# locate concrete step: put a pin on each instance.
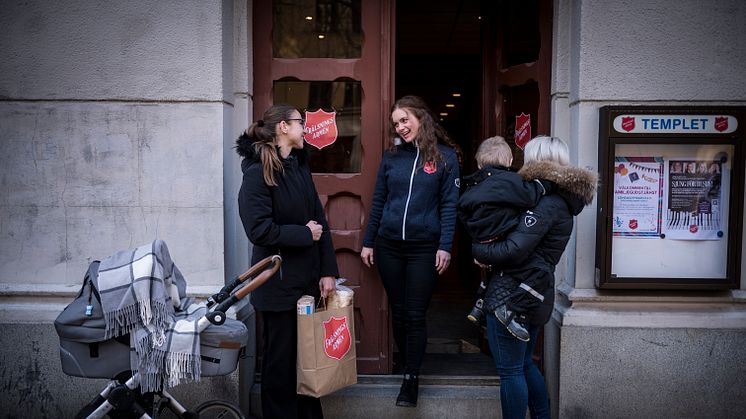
(440, 397)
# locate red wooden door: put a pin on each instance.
(335, 56)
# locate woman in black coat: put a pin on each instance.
(282, 214)
(533, 248)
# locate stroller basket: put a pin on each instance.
(85, 352)
(220, 349)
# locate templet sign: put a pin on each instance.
(675, 124)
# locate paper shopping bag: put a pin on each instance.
(326, 359)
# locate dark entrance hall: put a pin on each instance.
(477, 64)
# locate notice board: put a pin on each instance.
(670, 206)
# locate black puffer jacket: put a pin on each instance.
(542, 234)
(274, 218)
(493, 199)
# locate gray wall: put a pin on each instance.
(114, 120)
(642, 354)
(116, 128)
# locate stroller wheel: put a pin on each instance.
(218, 409)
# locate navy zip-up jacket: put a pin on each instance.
(412, 201)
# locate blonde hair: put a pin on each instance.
(543, 148)
(494, 151)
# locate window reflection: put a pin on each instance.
(317, 29)
(342, 97)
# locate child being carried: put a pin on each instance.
(491, 206)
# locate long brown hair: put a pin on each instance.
(430, 132)
(263, 135)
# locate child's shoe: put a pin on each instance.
(507, 318)
(476, 314)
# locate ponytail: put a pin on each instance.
(261, 136)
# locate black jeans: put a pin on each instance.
(279, 399)
(408, 273)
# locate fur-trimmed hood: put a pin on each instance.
(245, 148)
(577, 186)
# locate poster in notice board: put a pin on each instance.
(694, 192)
(638, 196)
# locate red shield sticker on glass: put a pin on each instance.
(522, 130)
(321, 128)
(721, 123)
(337, 340)
(628, 123)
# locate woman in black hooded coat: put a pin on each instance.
(533, 248)
(282, 214)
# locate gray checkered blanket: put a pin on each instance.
(143, 293)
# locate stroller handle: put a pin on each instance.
(217, 315)
(262, 265)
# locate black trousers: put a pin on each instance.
(279, 399)
(408, 273)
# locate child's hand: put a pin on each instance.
(481, 265)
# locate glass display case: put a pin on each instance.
(670, 202)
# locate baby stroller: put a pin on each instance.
(85, 353)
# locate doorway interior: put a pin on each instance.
(439, 58)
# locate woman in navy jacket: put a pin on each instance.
(282, 214)
(410, 227)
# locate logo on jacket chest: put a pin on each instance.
(529, 220)
(430, 168)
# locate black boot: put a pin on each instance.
(408, 393)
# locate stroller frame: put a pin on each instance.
(122, 396)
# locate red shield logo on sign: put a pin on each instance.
(633, 224)
(721, 123)
(522, 130)
(321, 128)
(337, 340)
(693, 228)
(628, 123)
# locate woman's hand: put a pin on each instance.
(367, 256)
(327, 284)
(442, 260)
(316, 229)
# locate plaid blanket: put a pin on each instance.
(143, 293)
(172, 358)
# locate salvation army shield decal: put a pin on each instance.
(628, 123)
(337, 340)
(321, 128)
(721, 123)
(522, 129)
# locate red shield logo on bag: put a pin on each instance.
(321, 128)
(628, 123)
(522, 130)
(337, 340)
(721, 123)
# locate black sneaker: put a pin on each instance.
(507, 318)
(408, 392)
